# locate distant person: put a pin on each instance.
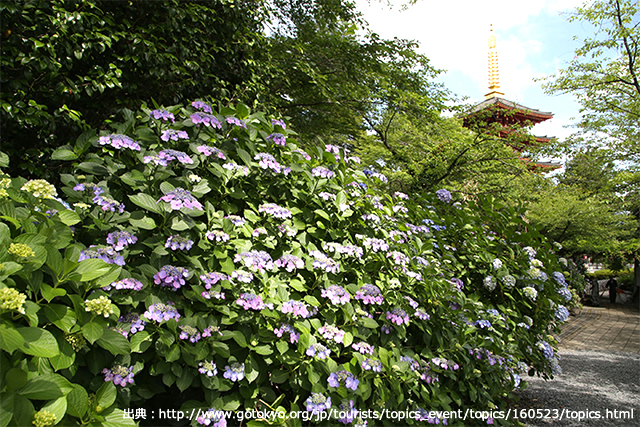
(595, 293)
(613, 289)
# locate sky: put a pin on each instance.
(534, 40)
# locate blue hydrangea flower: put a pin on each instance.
(200, 105)
(369, 294)
(209, 151)
(236, 220)
(363, 347)
(212, 418)
(162, 312)
(279, 122)
(171, 277)
(236, 122)
(255, 260)
(336, 294)
(444, 195)
(190, 333)
(174, 135)
(181, 198)
(398, 316)
(325, 263)
(108, 255)
(322, 172)
(318, 350)
(285, 328)
(208, 120)
(267, 161)
(217, 235)
(289, 262)
(234, 372)
(545, 348)
(350, 381)
(212, 278)
(275, 210)
(250, 301)
(561, 313)
(242, 276)
(297, 308)
(208, 368)
(126, 283)
(134, 323)
(376, 245)
(162, 114)
(317, 403)
(121, 239)
(119, 141)
(119, 375)
(277, 139)
(372, 365)
(330, 332)
(178, 243)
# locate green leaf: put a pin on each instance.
(221, 348)
(15, 378)
(93, 168)
(369, 323)
(6, 408)
(23, 410)
(63, 154)
(4, 160)
(50, 293)
(264, 350)
(145, 223)
(68, 217)
(117, 418)
(92, 331)
(10, 338)
(90, 269)
(77, 402)
(61, 316)
(246, 157)
(147, 202)
(38, 342)
(66, 357)
(114, 342)
(279, 376)
(54, 260)
(140, 341)
(105, 396)
(57, 407)
(184, 381)
(46, 387)
(282, 346)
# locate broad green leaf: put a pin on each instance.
(77, 402)
(92, 331)
(6, 408)
(90, 269)
(15, 378)
(117, 418)
(279, 376)
(93, 168)
(10, 338)
(140, 341)
(145, 223)
(46, 387)
(147, 202)
(54, 260)
(105, 396)
(23, 410)
(57, 407)
(66, 357)
(184, 381)
(68, 217)
(369, 323)
(38, 342)
(114, 342)
(221, 348)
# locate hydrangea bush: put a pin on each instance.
(200, 259)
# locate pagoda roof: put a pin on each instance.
(531, 114)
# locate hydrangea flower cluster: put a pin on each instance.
(490, 283)
(546, 349)
(325, 263)
(212, 278)
(369, 294)
(236, 122)
(234, 372)
(285, 328)
(162, 312)
(212, 418)
(376, 245)
(208, 368)
(444, 195)
(135, 322)
(236, 220)
(21, 250)
(267, 161)
(330, 332)
(421, 314)
(44, 418)
(497, 264)
(119, 375)
(297, 309)
(530, 293)
(348, 412)
(171, 277)
(108, 255)
(255, 260)
(209, 120)
(250, 301)
(372, 365)
(174, 135)
(399, 258)
(363, 348)
(398, 316)
(242, 276)
(327, 196)
(275, 210)
(165, 156)
(211, 329)
(208, 151)
(508, 281)
(350, 381)
(200, 105)
(11, 299)
(176, 243)
(232, 166)
(217, 235)
(121, 239)
(189, 333)
(561, 313)
(317, 403)
(318, 350)
(278, 139)
(126, 283)
(181, 198)
(289, 262)
(322, 172)
(120, 141)
(162, 114)
(349, 250)
(212, 294)
(336, 294)
(304, 154)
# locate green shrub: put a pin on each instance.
(218, 266)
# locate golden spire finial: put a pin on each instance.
(494, 75)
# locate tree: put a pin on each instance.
(605, 78)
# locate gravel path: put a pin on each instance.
(593, 381)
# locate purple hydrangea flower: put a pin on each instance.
(174, 135)
(212, 278)
(278, 139)
(211, 329)
(250, 301)
(189, 333)
(171, 277)
(119, 141)
(234, 166)
(413, 303)
(369, 294)
(121, 239)
(267, 161)
(399, 208)
(200, 105)
(208, 151)
(236, 220)
(547, 350)
(289, 262)
(317, 403)
(330, 332)
(325, 263)
(236, 122)
(134, 321)
(318, 350)
(386, 329)
(421, 314)
(327, 196)
(169, 155)
(208, 368)
(561, 313)
(212, 294)
(279, 122)
(217, 235)
(255, 260)
(322, 172)
(242, 276)
(348, 250)
(126, 283)
(483, 323)
(107, 204)
(234, 372)
(181, 198)
(346, 377)
(348, 413)
(398, 257)
(372, 365)
(208, 120)
(398, 316)
(302, 153)
(363, 347)
(294, 335)
(212, 418)
(376, 245)
(108, 255)
(297, 308)
(119, 375)
(400, 195)
(444, 195)
(275, 210)
(162, 312)
(459, 284)
(336, 294)
(178, 243)
(162, 114)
